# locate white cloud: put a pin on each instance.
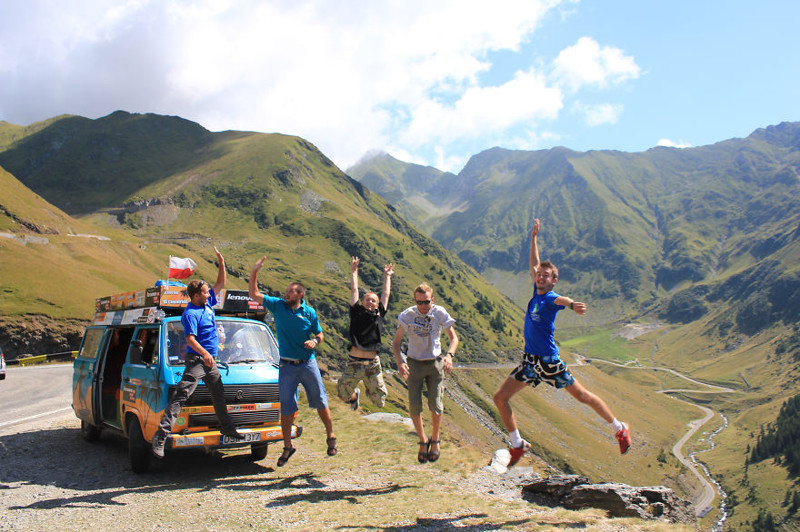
(485, 110)
(586, 63)
(672, 144)
(348, 75)
(596, 115)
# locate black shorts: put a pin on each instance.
(532, 370)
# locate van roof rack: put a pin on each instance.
(154, 303)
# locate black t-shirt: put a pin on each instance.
(366, 327)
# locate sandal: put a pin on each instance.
(331, 446)
(433, 455)
(423, 456)
(287, 453)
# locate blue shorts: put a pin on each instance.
(532, 370)
(290, 376)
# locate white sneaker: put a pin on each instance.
(158, 446)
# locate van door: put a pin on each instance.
(85, 374)
(141, 387)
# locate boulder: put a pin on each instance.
(620, 500)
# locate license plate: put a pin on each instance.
(248, 437)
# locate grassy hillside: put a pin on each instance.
(703, 240)
(251, 195)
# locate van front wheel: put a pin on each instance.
(258, 451)
(138, 449)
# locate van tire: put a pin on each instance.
(90, 432)
(258, 451)
(138, 449)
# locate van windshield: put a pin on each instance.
(240, 343)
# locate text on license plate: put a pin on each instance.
(248, 437)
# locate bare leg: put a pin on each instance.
(586, 397)
(286, 427)
(436, 424)
(501, 399)
(419, 427)
(325, 416)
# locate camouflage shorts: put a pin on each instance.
(368, 371)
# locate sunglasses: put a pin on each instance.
(423, 302)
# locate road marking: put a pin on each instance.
(14, 422)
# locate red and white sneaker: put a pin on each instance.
(624, 438)
(518, 452)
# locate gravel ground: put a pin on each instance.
(49, 476)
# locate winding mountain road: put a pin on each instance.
(707, 496)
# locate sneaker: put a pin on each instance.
(624, 438)
(518, 452)
(354, 403)
(158, 446)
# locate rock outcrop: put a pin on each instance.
(620, 500)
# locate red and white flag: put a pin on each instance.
(181, 268)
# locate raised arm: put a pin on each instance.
(388, 271)
(221, 275)
(534, 258)
(354, 281)
(255, 295)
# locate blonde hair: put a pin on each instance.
(423, 289)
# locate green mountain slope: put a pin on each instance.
(705, 241)
(421, 194)
(251, 195)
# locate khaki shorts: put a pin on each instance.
(430, 373)
(368, 371)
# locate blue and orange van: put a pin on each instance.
(133, 354)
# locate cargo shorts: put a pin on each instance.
(367, 370)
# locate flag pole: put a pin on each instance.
(168, 266)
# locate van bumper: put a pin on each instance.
(214, 438)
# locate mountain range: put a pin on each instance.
(163, 186)
(698, 245)
(669, 231)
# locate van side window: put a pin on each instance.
(144, 348)
(176, 344)
(91, 342)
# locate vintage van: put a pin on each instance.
(133, 355)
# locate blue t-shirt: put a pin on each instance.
(294, 327)
(540, 327)
(200, 322)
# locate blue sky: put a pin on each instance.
(431, 82)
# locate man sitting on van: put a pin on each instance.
(202, 341)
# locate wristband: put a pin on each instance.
(571, 305)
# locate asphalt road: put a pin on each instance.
(33, 392)
(708, 492)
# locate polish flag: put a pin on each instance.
(181, 268)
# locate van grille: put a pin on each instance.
(240, 419)
(237, 394)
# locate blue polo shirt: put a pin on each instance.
(200, 322)
(294, 327)
(540, 327)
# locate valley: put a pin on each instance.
(697, 247)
